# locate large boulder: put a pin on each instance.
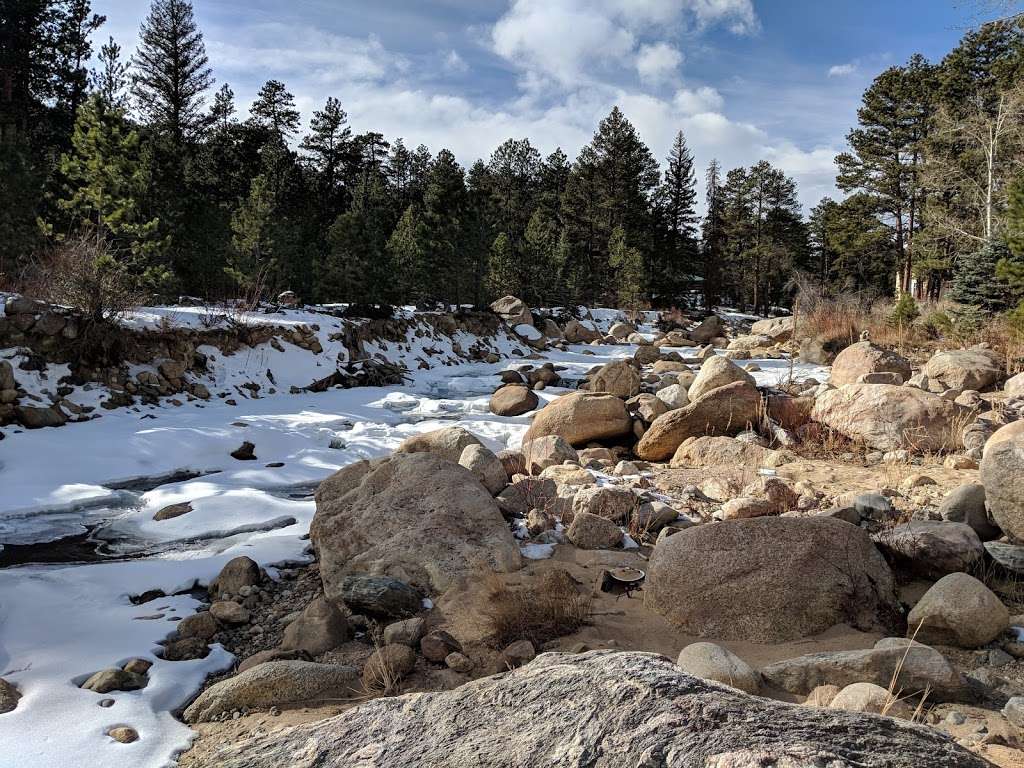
(713, 662)
(487, 467)
(864, 357)
(238, 572)
(919, 667)
(958, 610)
(416, 517)
(962, 369)
(619, 378)
(513, 311)
(1012, 431)
(548, 451)
(711, 327)
(447, 442)
(513, 400)
(932, 548)
(9, 696)
(275, 683)
(887, 417)
(716, 372)
(582, 417)
(1002, 475)
(589, 531)
(726, 410)
(599, 709)
(778, 329)
(771, 579)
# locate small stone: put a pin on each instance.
(106, 703)
(123, 734)
(244, 452)
(406, 632)
(459, 662)
(113, 679)
(518, 653)
(437, 645)
(138, 666)
(9, 696)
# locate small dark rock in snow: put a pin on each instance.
(245, 452)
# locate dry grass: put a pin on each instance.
(895, 695)
(550, 607)
(1007, 585)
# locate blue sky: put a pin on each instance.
(744, 79)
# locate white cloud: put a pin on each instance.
(843, 70)
(570, 41)
(703, 99)
(658, 62)
(455, 63)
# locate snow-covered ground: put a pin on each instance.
(59, 624)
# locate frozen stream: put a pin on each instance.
(106, 478)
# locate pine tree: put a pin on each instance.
(106, 181)
(712, 236)
(222, 111)
(628, 264)
(357, 267)
(672, 266)
(111, 80)
(976, 287)
(328, 145)
(405, 250)
(171, 71)
(444, 204)
(73, 23)
(503, 276)
(886, 157)
(274, 110)
(252, 258)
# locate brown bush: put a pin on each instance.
(551, 607)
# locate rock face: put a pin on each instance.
(1002, 475)
(513, 400)
(887, 418)
(919, 667)
(716, 372)
(275, 683)
(448, 443)
(415, 517)
(958, 610)
(713, 662)
(865, 358)
(581, 417)
(726, 410)
(932, 548)
(964, 369)
(770, 579)
(618, 378)
(596, 709)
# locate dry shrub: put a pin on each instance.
(82, 272)
(550, 607)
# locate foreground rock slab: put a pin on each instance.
(601, 710)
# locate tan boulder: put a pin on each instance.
(865, 357)
(448, 443)
(548, 451)
(582, 417)
(958, 610)
(415, 517)
(713, 662)
(589, 531)
(513, 400)
(726, 451)
(887, 417)
(619, 378)
(962, 369)
(771, 579)
(1002, 475)
(1012, 431)
(726, 410)
(716, 372)
(778, 329)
